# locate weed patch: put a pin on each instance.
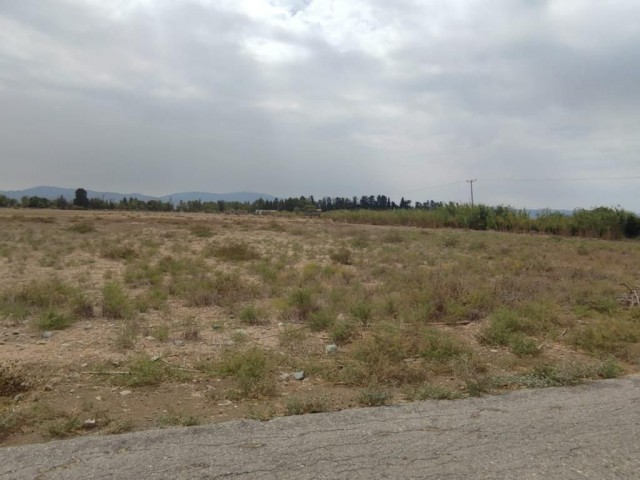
(371, 397)
(253, 369)
(115, 301)
(11, 382)
(234, 252)
(434, 392)
(82, 227)
(302, 406)
(54, 320)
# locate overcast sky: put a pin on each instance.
(537, 100)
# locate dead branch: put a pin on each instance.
(632, 297)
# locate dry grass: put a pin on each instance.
(152, 303)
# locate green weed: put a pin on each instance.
(252, 369)
(371, 397)
(302, 406)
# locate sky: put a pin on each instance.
(537, 100)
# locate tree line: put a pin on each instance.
(291, 204)
(600, 222)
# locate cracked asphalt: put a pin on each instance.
(586, 432)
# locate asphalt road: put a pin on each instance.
(586, 432)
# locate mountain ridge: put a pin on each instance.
(52, 193)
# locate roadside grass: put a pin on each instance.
(176, 419)
(304, 405)
(252, 369)
(563, 374)
(433, 392)
(142, 370)
(373, 397)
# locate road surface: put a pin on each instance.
(586, 432)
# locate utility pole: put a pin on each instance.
(470, 182)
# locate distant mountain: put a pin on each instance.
(214, 197)
(69, 193)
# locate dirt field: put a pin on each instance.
(114, 321)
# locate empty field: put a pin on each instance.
(115, 321)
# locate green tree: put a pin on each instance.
(81, 199)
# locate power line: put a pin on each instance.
(559, 179)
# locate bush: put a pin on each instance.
(54, 320)
(11, 382)
(252, 369)
(303, 303)
(144, 371)
(342, 256)
(435, 392)
(251, 315)
(321, 320)
(82, 227)
(342, 332)
(301, 406)
(374, 398)
(200, 230)
(363, 312)
(235, 252)
(115, 301)
(522, 345)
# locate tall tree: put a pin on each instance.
(81, 199)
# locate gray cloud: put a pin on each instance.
(297, 96)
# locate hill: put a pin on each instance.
(69, 193)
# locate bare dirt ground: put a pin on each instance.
(165, 313)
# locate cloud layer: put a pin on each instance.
(294, 97)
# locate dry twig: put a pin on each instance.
(632, 297)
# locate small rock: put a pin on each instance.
(99, 398)
(124, 393)
(89, 423)
(298, 375)
(179, 343)
(84, 365)
(19, 397)
(47, 334)
(331, 349)
(493, 350)
(47, 388)
(41, 342)
(88, 326)
(155, 358)
(150, 337)
(283, 377)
